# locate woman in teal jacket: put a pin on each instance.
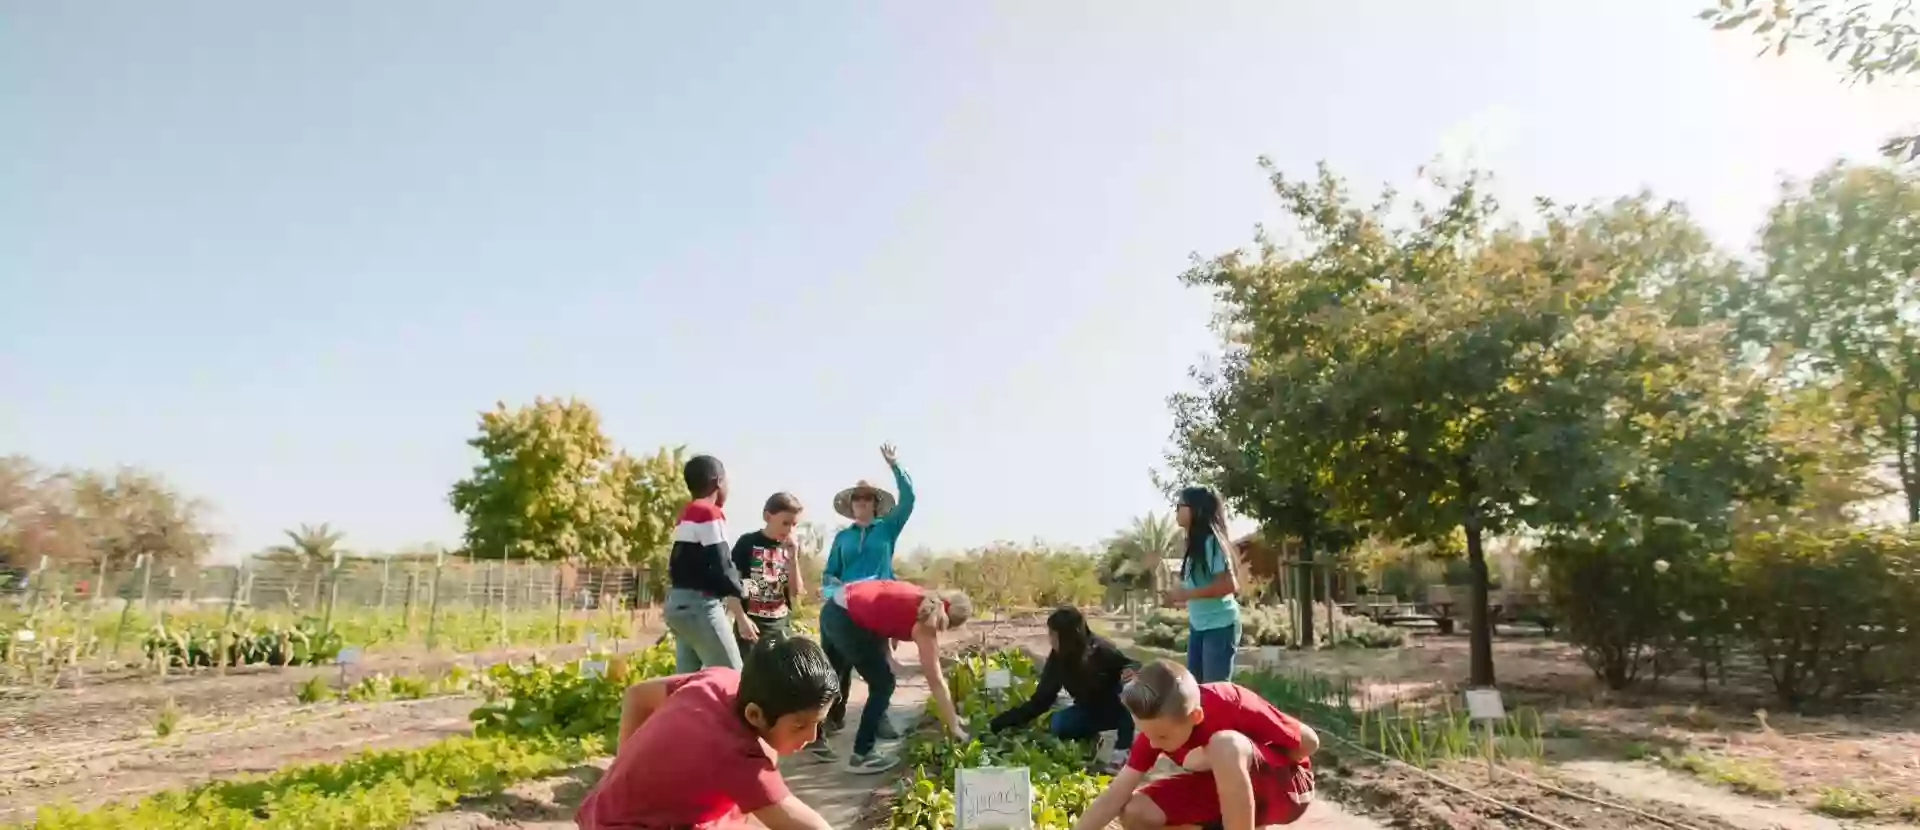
(862, 551)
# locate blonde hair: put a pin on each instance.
(1161, 689)
(945, 609)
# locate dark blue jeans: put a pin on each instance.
(1210, 653)
(866, 652)
(1078, 722)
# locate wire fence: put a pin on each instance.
(304, 586)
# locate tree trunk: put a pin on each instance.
(1909, 480)
(1304, 574)
(1480, 673)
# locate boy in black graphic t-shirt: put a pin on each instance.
(769, 567)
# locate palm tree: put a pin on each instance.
(314, 544)
(1134, 555)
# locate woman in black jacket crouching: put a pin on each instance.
(1092, 670)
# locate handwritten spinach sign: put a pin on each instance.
(993, 798)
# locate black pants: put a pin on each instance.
(843, 668)
(865, 652)
(771, 629)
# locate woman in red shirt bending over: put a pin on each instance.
(859, 623)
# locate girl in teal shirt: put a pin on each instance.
(1207, 585)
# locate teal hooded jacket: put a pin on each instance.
(860, 553)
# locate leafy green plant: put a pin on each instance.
(373, 687)
(540, 698)
(1062, 782)
(1847, 802)
(314, 690)
(1750, 777)
(238, 643)
(167, 719)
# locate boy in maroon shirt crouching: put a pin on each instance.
(701, 750)
(1247, 762)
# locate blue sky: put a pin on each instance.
(284, 253)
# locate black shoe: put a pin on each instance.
(887, 732)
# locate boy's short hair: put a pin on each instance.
(1161, 689)
(787, 675)
(783, 503)
(703, 474)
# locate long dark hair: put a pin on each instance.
(1076, 639)
(1207, 519)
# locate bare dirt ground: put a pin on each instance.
(97, 743)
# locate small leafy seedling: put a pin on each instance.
(167, 719)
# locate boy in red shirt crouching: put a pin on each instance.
(1247, 761)
(701, 750)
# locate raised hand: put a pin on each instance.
(888, 452)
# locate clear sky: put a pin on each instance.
(283, 253)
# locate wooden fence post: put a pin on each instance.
(559, 605)
(433, 601)
(413, 583)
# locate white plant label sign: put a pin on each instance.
(1270, 655)
(1485, 704)
(999, 678)
(1109, 740)
(593, 668)
(993, 798)
(347, 656)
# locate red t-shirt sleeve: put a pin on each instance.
(675, 681)
(1142, 755)
(755, 784)
(1257, 719)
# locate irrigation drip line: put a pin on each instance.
(1601, 802)
(1460, 788)
(1598, 802)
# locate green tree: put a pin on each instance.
(132, 512)
(76, 517)
(1134, 555)
(1446, 373)
(311, 545)
(1843, 279)
(652, 491)
(544, 488)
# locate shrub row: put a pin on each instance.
(1271, 625)
(1828, 613)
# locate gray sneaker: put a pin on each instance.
(872, 763)
(822, 751)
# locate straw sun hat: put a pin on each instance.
(882, 500)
